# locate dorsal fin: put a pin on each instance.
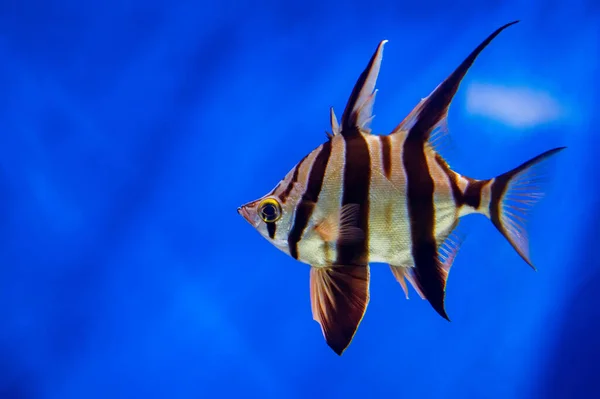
(335, 127)
(431, 112)
(358, 111)
(367, 109)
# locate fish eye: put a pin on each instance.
(269, 210)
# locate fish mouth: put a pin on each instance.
(242, 210)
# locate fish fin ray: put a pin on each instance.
(439, 139)
(328, 229)
(404, 274)
(358, 111)
(343, 227)
(339, 298)
(335, 127)
(432, 264)
(449, 247)
(366, 113)
(431, 112)
(514, 194)
(409, 120)
(349, 230)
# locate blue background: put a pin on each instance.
(130, 131)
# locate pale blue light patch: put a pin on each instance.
(518, 107)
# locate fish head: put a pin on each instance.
(272, 215)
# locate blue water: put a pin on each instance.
(130, 131)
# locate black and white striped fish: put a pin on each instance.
(360, 198)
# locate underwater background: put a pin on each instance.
(130, 131)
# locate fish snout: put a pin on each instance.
(242, 210)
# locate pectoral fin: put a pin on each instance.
(339, 296)
(342, 226)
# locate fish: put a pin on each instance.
(362, 198)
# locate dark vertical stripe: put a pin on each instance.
(271, 228)
(292, 182)
(421, 211)
(498, 189)
(355, 189)
(386, 150)
(305, 207)
(472, 195)
(456, 193)
(473, 191)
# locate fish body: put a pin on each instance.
(362, 198)
(385, 192)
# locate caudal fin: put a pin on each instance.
(512, 196)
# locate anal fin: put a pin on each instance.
(449, 247)
(404, 274)
(430, 274)
(339, 297)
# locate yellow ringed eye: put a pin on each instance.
(269, 210)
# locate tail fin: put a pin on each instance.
(512, 196)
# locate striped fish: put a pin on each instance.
(360, 198)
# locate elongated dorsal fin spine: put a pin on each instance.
(432, 110)
(355, 114)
